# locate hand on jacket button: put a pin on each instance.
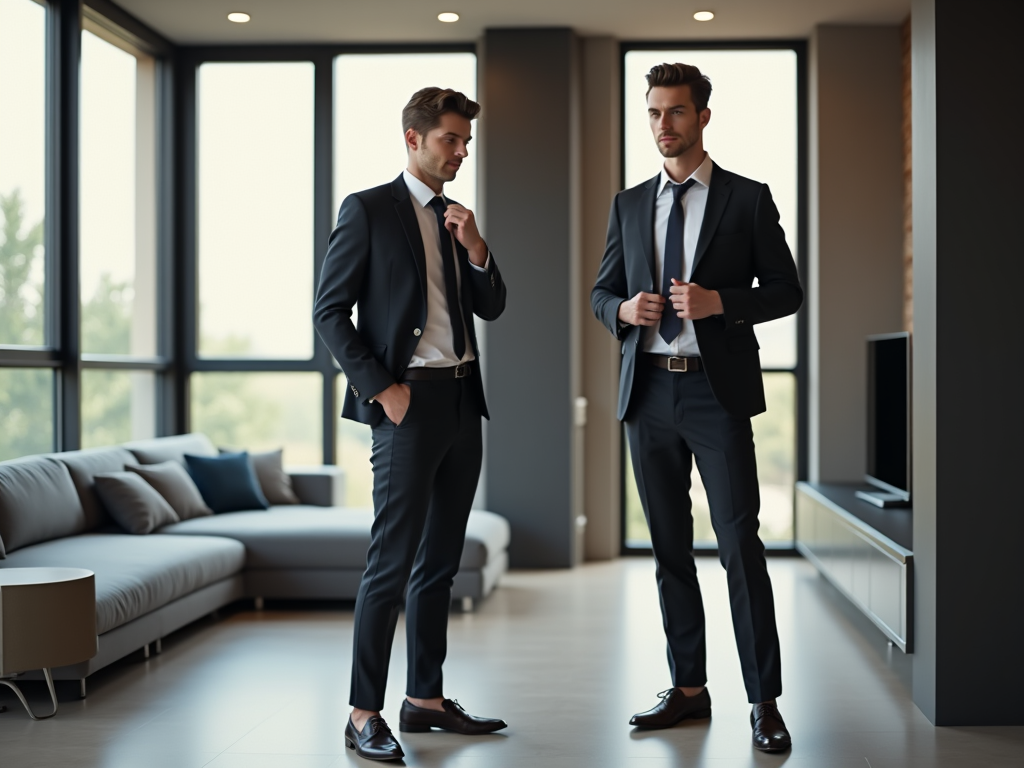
(691, 302)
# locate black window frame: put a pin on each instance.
(800, 371)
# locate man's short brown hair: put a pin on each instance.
(425, 108)
(670, 75)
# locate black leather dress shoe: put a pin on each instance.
(770, 734)
(675, 706)
(374, 742)
(413, 719)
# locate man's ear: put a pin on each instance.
(412, 139)
(705, 118)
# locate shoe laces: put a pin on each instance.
(766, 709)
(455, 703)
(377, 725)
(665, 694)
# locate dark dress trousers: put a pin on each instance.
(672, 418)
(426, 469)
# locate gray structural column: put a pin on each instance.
(602, 172)
(855, 285)
(530, 96)
(968, 362)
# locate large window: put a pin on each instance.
(255, 209)
(753, 132)
(80, 337)
(117, 238)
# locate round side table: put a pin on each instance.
(47, 619)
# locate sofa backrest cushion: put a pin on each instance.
(173, 482)
(135, 504)
(174, 448)
(84, 466)
(38, 502)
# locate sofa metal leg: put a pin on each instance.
(24, 702)
(467, 605)
(159, 645)
(145, 651)
(258, 603)
(81, 688)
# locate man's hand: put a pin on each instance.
(691, 302)
(461, 221)
(395, 401)
(642, 309)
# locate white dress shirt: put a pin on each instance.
(435, 349)
(694, 202)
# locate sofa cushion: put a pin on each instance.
(174, 448)
(173, 482)
(227, 482)
(38, 502)
(84, 466)
(274, 481)
(137, 574)
(133, 503)
(327, 537)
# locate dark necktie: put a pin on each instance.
(672, 324)
(451, 286)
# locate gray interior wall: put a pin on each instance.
(531, 93)
(968, 362)
(601, 173)
(856, 232)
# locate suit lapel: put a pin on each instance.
(718, 196)
(411, 225)
(646, 223)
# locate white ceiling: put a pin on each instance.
(369, 21)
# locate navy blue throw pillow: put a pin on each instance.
(227, 482)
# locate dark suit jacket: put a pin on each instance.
(375, 258)
(740, 239)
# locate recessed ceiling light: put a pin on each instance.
(239, 18)
(704, 15)
(448, 17)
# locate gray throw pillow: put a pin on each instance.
(172, 481)
(275, 483)
(133, 503)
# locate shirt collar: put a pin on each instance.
(702, 175)
(421, 193)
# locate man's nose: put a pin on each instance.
(462, 151)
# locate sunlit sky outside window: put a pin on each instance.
(255, 209)
(107, 163)
(753, 132)
(22, 157)
(370, 92)
(23, 103)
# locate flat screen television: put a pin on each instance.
(889, 425)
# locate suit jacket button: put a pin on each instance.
(416, 332)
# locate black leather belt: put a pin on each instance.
(460, 371)
(675, 364)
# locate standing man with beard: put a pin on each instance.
(415, 264)
(675, 287)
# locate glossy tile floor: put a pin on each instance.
(564, 656)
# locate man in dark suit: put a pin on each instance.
(415, 265)
(675, 287)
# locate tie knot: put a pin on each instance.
(678, 190)
(439, 205)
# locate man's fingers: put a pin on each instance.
(655, 298)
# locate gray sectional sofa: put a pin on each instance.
(150, 586)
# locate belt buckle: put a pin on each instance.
(461, 370)
(671, 366)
